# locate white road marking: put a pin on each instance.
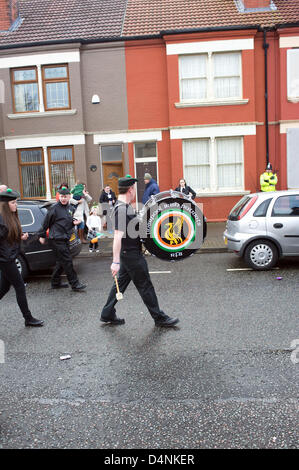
(159, 272)
(247, 269)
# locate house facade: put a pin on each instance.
(207, 94)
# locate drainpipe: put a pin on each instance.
(265, 46)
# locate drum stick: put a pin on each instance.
(119, 295)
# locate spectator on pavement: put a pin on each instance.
(183, 188)
(151, 188)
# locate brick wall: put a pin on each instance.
(9, 11)
(256, 3)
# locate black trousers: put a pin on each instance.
(133, 267)
(64, 262)
(10, 276)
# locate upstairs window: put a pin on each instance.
(293, 74)
(210, 77)
(25, 90)
(41, 88)
(56, 87)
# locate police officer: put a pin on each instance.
(10, 243)
(268, 179)
(59, 220)
(128, 262)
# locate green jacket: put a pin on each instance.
(268, 181)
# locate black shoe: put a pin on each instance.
(113, 321)
(78, 287)
(59, 286)
(33, 322)
(167, 322)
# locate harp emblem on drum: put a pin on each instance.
(174, 231)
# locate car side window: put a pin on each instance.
(286, 206)
(25, 216)
(261, 211)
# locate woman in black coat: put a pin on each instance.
(107, 196)
(183, 188)
(10, 242)
(107, 199)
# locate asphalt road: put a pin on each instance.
(224, 378)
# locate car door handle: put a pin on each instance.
(278, 225)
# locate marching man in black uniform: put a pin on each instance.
(60, 222)
(128, 262)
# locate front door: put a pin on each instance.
(111, 173)
(112, 165)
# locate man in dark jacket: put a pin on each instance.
(59, 220)
(151, 188)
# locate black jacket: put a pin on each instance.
(104, 199)
(186, 190)
(59, 221)
(8, 252)
(104, 196)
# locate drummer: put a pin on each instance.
(128, 262)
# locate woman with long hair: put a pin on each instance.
(10, 242)
(183, 188)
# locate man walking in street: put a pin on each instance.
(128, 262)
(60, 222)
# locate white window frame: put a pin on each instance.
(211, 100)
(294, 98)
(213, 157)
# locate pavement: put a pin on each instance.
(213, 243)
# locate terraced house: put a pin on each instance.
(207, 90)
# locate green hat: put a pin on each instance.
(64, 191)
(126, 181)
(9, 195)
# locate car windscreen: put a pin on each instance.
(237, 209)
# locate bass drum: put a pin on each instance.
(172, 226)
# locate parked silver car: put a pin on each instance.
(262, 227)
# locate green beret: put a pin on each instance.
(64, 191)
(9, 195)
(126, 181)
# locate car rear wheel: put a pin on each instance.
(22, 267)
(261, 255)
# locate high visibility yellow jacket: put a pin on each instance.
(268, 181)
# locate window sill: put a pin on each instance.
(293, 100)
(68, 112)
(194, 104)
(221, 193)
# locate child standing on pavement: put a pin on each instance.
(94, 223)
